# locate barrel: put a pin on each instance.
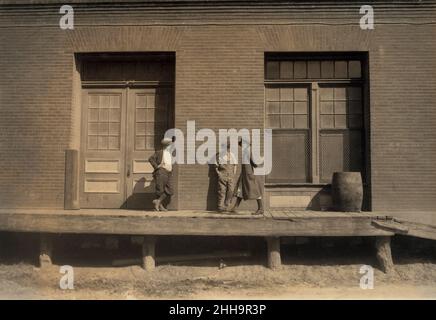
(347, 191)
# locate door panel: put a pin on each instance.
(103, 148)
(148, 118)
(121, 129)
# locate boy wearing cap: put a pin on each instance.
(161, 161)
(226, 170)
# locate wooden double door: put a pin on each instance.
(120, 129)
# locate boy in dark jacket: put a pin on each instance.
(249, 186)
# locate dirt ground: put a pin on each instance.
(308, 272)
(410, 281)
(23, 281)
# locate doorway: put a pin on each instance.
(124, 116)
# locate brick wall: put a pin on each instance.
(35, 100)
(219, 84)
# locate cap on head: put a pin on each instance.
(166, 141)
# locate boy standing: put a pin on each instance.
(161, 161)
(226, 170)
(249, 186)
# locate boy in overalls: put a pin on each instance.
(226, 169)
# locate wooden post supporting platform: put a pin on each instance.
(273, 247)
(384, 255)
(148, 253)
(45, 250)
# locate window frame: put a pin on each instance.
(314, 128)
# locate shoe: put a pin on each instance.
(234, 210)
(162, 208)
(156, 204)
(258, 212)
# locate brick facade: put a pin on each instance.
(219, 84)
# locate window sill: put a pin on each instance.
(301, 185)
(293, 185)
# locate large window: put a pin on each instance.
(315, 108)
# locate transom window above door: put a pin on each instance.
(315, 107)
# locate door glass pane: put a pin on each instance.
(145, 120)
(151, 117)
(139, 142)
(93, 115)
(104, 121)
(114, 143)
(149, 142)
(92, 142)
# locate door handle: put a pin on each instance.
(128, 171)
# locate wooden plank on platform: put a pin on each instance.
(267, 214)
(135, 213)
(308, 214)
(299, 214)
(419, 230)
(419, 217)
(279, 215)
(142, 225)
(391, 225)
(290, 214)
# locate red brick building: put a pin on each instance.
(338, 98)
